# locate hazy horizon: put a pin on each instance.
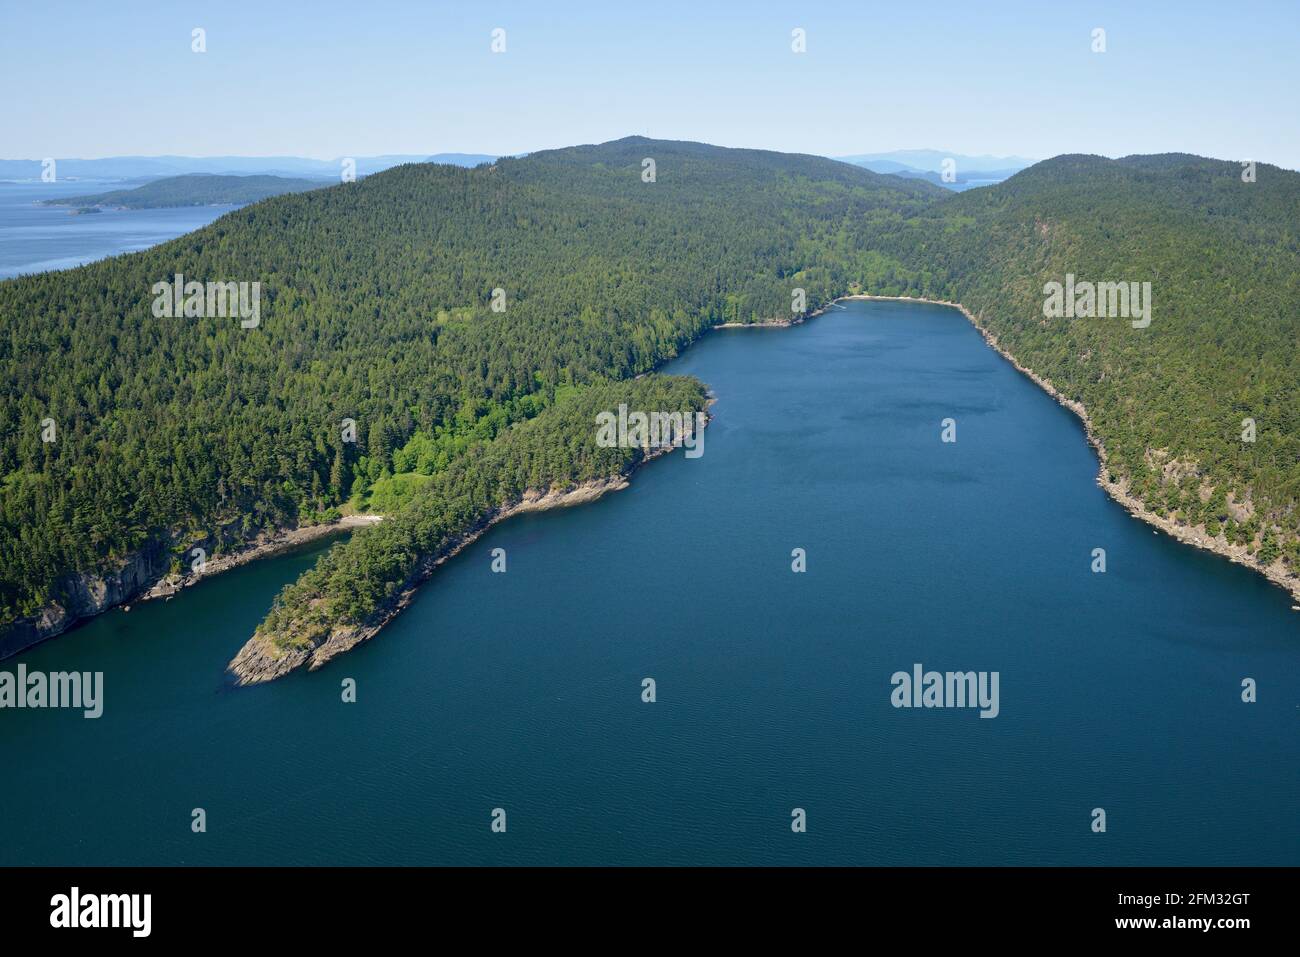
(1017, 80)
(423, 155)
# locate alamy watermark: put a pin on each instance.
(650, 430)
(1098, 300)
(946, 689)
(56, 689)
(128, 911)
(210, 300)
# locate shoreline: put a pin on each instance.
(766, 323)
(275, 544)
(260, 661)
(1194, 535)
(133, 582)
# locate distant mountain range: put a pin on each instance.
(915, 164)
(929, 165)
(138, 167)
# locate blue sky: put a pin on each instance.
(330, 79)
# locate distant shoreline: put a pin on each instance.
(122, 207)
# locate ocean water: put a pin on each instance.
(35, 238)
(523, 691)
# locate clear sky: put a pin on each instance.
(328, 79)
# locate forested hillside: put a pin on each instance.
(377, 305)
(1223, 345)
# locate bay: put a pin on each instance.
(522, 691)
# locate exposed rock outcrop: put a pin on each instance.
(83, 595)
(148, 574)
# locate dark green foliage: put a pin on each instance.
(376, 307)
(555, 450)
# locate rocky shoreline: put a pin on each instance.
(261, 547)
(1195, 535)
(260, 660)
(144, 576)
(766, 323)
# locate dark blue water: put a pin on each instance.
(523, 691)
(35, 238)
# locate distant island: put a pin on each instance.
(193, 189)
